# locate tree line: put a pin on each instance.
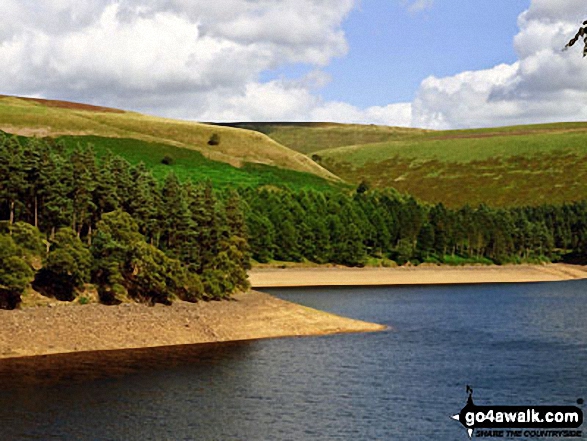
(351, 229)
(68, 218)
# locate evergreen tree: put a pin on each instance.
(15, 273)
(67, 269)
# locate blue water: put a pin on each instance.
(514, 344)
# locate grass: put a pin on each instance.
(192, 165)
(505, 166)
(461, 149)
(310, 138)
(236, 146)
(509, 166)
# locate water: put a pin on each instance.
(515, 344)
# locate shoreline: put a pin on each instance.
(420, 275)
(73, 328)
(61, 329)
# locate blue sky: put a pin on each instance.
(392, 49)
(422, 63)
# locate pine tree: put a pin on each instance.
(13, 184)
(68, 266)
(15, 273)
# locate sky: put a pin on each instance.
(440, 64)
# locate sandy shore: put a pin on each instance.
(69, 328)
(73, 328)
(421, 275)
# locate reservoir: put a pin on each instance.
(514, 344)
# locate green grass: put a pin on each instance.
(235, 147)
(310, 138)
(193, 165)
(511, 166)
(462, 150)
(504, 166)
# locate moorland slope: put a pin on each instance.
(112, 128)
(504, 166)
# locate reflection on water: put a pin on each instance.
(516, 344)
(84, 367)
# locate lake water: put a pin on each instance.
(514, 344)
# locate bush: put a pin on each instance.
(214, 284)
(214, 139)
(167, 160)
(455, 260)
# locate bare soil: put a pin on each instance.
(421, 275)
(59, 328)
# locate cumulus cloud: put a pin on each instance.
(197, 59)
(544, 85)
(181, 58)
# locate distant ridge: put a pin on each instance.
(67, 104)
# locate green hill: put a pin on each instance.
(238, 154)
(312, 137)
(506, 166)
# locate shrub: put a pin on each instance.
(214, 139)
(167, 160)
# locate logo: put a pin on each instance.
(520, 421)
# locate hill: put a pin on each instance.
(505, 166)
(141, 137)
(309, 138)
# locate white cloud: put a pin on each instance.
(179, 58)
(281, 100)
(202, 60)
(544, 85)
(416, 6)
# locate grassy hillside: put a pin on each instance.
(526, 165)
(190, 164)
(309, 138)
(506, 166)
(237, 147)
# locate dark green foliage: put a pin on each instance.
(167, 160)
(350, 229)
(149, 242)
(262, 237)
(214, 139)
(128, 267)
(156, 241)
(15, 273)
(31, 242)
(153, 277)
(67, 268)
(363, 187)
